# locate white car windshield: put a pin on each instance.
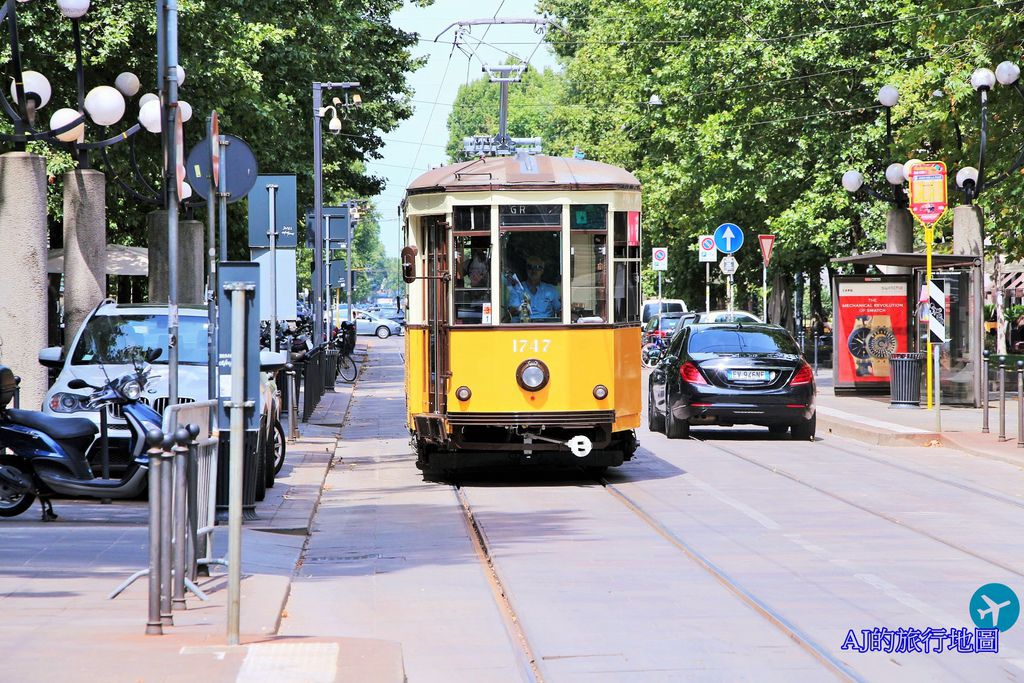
(119, 338)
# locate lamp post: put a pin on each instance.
(898, 223)
(318, 190)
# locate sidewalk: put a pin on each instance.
(56, 622)
(871, 420)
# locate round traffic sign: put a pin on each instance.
(238, 163)
(214, 147)
(660, 254)
(728, 238)
(707, 243)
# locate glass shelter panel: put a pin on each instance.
(531, 264)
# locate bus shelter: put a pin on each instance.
(877, 315)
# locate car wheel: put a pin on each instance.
(23, 502)
(655, 422)
(778, 430)
(279, 447)
(675, 428)
(383, 332)
(804, 431)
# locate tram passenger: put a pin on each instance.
(535, 300)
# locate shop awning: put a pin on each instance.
(892, 258)
(121, 260)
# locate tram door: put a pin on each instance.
(436, 233)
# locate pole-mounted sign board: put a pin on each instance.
(928, 191)
(936, 312)
(247, 273)
(728, 238)
(766, 242)
(708, 250)
(659, 258)
(335, 225)
(214, 148)
(729, 265)
(237, 162)
(286, 210)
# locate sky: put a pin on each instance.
(418, 143)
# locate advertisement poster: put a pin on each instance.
(871, 322)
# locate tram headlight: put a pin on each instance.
(532, 375)
(600, 392)
(463, 393)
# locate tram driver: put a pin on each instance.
(535, 300)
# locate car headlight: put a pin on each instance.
(63, 402)
(532, 375)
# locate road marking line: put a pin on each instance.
(763, 520)
(867, 421)
(290, 663)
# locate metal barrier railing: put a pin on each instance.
(313, 381)
(331, 356)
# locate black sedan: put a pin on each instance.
(727, 374)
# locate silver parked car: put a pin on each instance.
(370, 323)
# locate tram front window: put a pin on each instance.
(531, 265)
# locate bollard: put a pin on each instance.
(1002, 398)
(192, 506)
(293, 402)
(17, 393)
(984, 392)
(1020, 404)
(154, 438)
(166, 527)
(180, 450)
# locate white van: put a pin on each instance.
(653, 307)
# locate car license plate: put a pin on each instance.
(747, 375)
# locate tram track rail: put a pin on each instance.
(847, 501)
(528, 669)
(819, 652)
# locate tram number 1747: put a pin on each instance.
(534, 345)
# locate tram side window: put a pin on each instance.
(472, 283)
(531, 264)
(626, 244)
(588, 263)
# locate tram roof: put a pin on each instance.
(524, 172)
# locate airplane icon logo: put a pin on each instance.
(993, 609)
(994, 605)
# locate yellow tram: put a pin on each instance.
(523, 321)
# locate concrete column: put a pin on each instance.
(191, 262)
(899, 237)
(23, 234)
(156, 241)
(968, 229)
(85, 247)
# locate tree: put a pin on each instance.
(253, 62)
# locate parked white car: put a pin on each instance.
(103, 347)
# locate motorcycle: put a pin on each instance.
(41, 455)
(652, 352)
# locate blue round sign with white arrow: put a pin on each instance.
(728, 238)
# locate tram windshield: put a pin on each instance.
(531, 263)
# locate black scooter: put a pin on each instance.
(42, 455)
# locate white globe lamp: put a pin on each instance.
(34, 82)
(127, 83)
(105, 105)
(852, 181)
(1007, 73)
(983, 79)
(73, 9)
(63, 117)
(894, 173)
(907, 166)
(968, 173)
(148, 97)
(186, 110)
(149, 116)
(186, 191)
(888, 96)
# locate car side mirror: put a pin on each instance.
(271, 361)
(409, 264)
(52, 357)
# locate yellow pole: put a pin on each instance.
(929, 236)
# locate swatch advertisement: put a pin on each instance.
(872, 316)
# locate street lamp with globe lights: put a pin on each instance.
(899, 225)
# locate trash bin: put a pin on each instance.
(905, 380)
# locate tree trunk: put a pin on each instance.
(779, 308)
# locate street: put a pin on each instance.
(733, 555)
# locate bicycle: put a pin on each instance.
(345, 343)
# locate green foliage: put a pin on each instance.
(253, 62)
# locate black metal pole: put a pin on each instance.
(983, 142)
